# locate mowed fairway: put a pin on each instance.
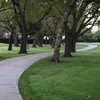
(77, 78)
(4, 53)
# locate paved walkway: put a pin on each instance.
(90, 46)
(11, 69)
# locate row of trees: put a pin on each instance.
(49, 18)
(76, 18)
(90, 36)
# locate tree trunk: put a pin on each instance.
(10, 42)
(34, 43)
(57, 47)
(73, 45)
(46, 40)
(23, 29)
(67, 52)
(50, 40)
(40, 42)
(15, 36)
(53, 42)
(23, 48)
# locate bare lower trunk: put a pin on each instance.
(73, 43)
(57, 47)
(34, 43)
(50, 40)
(67, 52)
(73, 46)
(10, 42)
(40, 41)
(16, 40)
(46, 40)
(53, 42)
(23, 48)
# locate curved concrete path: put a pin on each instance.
(11, 69)
(89, 46)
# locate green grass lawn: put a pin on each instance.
(4, 53)
(78, 78)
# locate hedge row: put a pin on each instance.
(31, 40)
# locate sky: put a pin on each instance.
(94, 29)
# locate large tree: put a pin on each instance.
(28, 11)
(61, 29)
(7, 21)
(82, 19)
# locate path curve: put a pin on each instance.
(11, 69)
(89, 46)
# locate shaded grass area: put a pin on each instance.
(77, 78)
(4, 53)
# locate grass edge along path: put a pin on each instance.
(76, 79)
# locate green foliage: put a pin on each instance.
(97, 35)
(34, 28)
(87, 35)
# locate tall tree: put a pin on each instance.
(19, 8)
(6, 21)
(84, 14)
(25, 12)
(61, 30)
